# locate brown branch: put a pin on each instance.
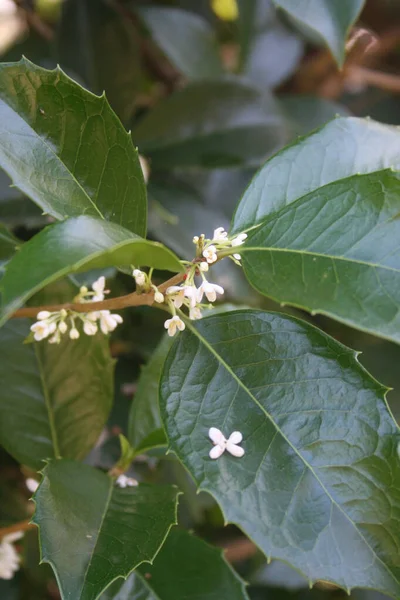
(118, 303)
(378, 79)
(240, 549)
(21, 526)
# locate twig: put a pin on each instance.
(118, 303)
(240, 549)
(21, 526)
(378, 79)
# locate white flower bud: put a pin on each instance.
(239, 240)
(90, 328)
(159, 297)
(74, 334)
(203, 266)
(62, 327)
(140, 277)
(43, 314)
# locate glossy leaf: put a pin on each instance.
(317, 485)
(145, 429)
(77, 244)
(335, 251)
(54, 399)
(344, 147)
(186, 567)
(105, 532)
(8, 242)
(211, 124)
(194, 51)
(328, 21)
(66, 149)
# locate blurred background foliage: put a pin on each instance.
(209, 89)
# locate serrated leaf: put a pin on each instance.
(77, 244)
(145, 429)
(54, 399)
(66, 149)
(344, 147)
(209, 124)
(335, 251)
(105, 532)
(186, 567)
(194, 51)
(318, 484)
(328, 21)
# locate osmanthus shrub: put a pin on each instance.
(275, 419)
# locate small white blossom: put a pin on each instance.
(195, 313)
(191, 291)
(89, 327)
(219, 235)
(158, 297)
(123, 481)
(98, 287)
(173, 324)
(43, 314)
(140, 277)
(239, 240)
(74, 333)
(9, 558)
(221, 443)
(178, 294)
(210, 290)
(62, 327)
(40, 330)
(31, 484)
(108, 321)
(195, 239)
(210, 254)
(203, 266)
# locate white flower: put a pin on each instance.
(239, 240)
(43, 314)
(195, 313)
(178, 294)
(31, 484)
(195, 239)
(140, 277)
(108, 322)
(40, 330)
(191, 292)
(89, 327)
(158, 297)
(173, 324)
(9, 558)
(74, 334)
(203, 266)
(123, 481)
(221, 443)
(62, 327)
(219, 235)
(98, 287)
(210, 254)
(210, 290)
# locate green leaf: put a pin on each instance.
(327, 21)
(186, 567)
(344, 147)
(306, 113)
(335, 251)
(318, 484)
(105, 532)
(55, 399)
(8, 242)
(211, 124)
(101, 46)
(66, 149)
(186, 38)
(145, 429)
(77, 244)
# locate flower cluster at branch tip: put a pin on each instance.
(9, 557)
(143, 283)
(123, 481)
(56, 324)
(209, 248)
(221, 443)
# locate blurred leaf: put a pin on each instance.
(328, 21)
(55, 399)
(344, 147)
(8, 242)
(102, 47)
(317, 485)
(211, 124)
(77, 244)
(145, 429)
(186, 38)
(105, 532)
(66, 149)
(279, 574)
(185, 568)
(306, 113)
(335, 251)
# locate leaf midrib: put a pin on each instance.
(278, 429)
(47, 401)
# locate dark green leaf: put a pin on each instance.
(335, 251)
(104, 531)
(55, 399)
(8, 242)
(211, 124)
(318, 484)
(327, 21)
(306, 113)
(145, 429)
(186, 39)
(185, 568)
(95, 42)
(66, 149)
(344, 147)
(77, 244)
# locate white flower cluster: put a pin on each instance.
(56, 324)
(220, 241)
(221, 443)
(9, 557)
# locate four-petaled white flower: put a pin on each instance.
(89, 327)
(195, 313)
(210, 254)
(219, 234)
(124, 481)
(173, 324)
(239, 240)
(210, 290)
(221, 443)
(178, 294)
(9, 557)
(140, 277)
(108, 321)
